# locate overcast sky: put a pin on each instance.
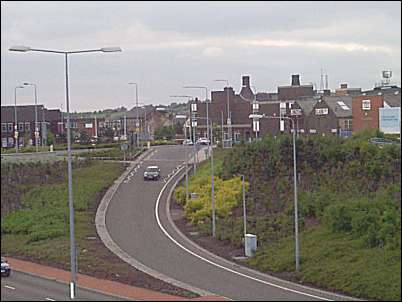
(167, 45)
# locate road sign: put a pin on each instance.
(124, 147)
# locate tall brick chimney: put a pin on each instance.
(295, 80)
(246, 81)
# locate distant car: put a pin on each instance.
(203, 141)
(152, 173)
(5, 268)
(188, 142)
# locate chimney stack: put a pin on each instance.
(344, 86)
(246, 81)
(295, 80)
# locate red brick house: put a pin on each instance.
(48, 120)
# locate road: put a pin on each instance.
(137, 221)
(24, 287)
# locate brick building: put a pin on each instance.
(331, 115)
(366, 107)
(48, 120)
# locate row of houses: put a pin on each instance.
(245, 115)
(101, 127)
(249, 115)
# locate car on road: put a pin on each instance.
(152, 173)
(5, 268)
(203, 141)
(188, 142)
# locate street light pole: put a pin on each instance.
(186, 154)
(137, 125)
(296, 220)
(15, 119)
(36, 115)
(73, 259)
(206, 102)
(229, 120)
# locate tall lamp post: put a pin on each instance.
(73, 251)
(36, 115)
(296, 220)
(137, 123)
(206, 101)
(229, 120)
(15, 119)
(255, 107)
(186, 154)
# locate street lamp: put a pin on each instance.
(229, 120)
(15, 118)
(297, 244)
(144, 106)
(255, 108)
(186, 155)
(69, 161)
(36, 115)
(137, 123)
(206, 101)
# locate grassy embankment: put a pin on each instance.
(35, 220)
(349, 210)
(39, 229)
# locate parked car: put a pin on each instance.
(152, 173)
(5, 268)
(188, 142)
(203, 141)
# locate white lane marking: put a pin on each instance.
(9, 287)
(213, 263)
(49, 299)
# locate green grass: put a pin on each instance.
(40, 229)
(112, 153)
(336, 262)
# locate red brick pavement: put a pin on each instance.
(104, 286)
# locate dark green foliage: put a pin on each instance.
(44, 212)
(349, 202)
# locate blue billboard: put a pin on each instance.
(390, 119)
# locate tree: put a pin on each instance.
(165, 132)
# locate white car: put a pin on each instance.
(203, 141)
(188, 142)
(152, 173)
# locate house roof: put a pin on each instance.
(26, 113)
(340, 105)
(393, 100)
(306, 105)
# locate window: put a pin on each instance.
(4, 142)
(27, 126)
(348, 124)
(3, 127)
(366, 105)
(321, 111)
(343, 105)
(237, 136)
(10, 127)
(20, 127)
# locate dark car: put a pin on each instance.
(152, 173)
(5, 268)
